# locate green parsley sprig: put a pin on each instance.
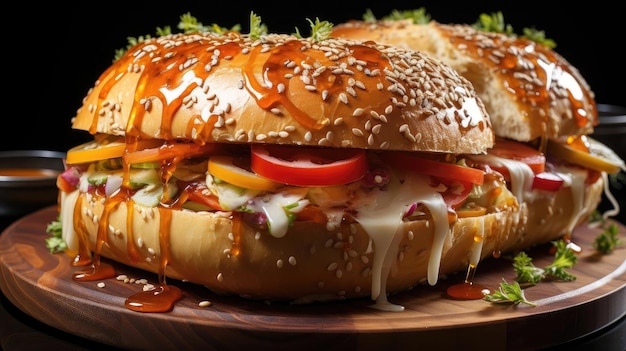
(187, 24)
(257, 28)
(509, 293)
(55, 242)
(418, 16)
(564, 258)
(494, 22)
(607, 240)
(320, 30)
(538, 36)
(528, 273)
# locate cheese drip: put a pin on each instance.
(575, 179)
(521, 174)
(522, 178)
(381, 217)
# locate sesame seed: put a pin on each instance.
(343, 98)
(358, 112)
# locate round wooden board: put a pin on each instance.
(40, 284)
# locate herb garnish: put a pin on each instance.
(257, 28)
(55, 242)
(418, 16)
(564, 258)
(528, 273)
(187, 24)
(607, 241)
(509, 293)
(495, 23)
(320, 30)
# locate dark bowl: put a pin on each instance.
(611, 131)
(28, 180)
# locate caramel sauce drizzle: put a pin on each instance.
(273, 71)
(83, 257)
(97, 269)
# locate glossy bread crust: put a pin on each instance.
(280, 89)
(529, 90)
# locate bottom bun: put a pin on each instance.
(311, 263)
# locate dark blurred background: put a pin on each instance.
(52, 67)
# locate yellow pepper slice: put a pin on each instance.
(235, 170)
(600, 157)
(104, 147)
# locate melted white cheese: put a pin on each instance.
(68, 202)
(609, 195)
(521, 174)
(522, 178)
(381, 217)
(479, 239)
(276, 208)
(575, 178)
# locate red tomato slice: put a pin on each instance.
(547, 181)
(517, 151)
(513, 150)
(436, 168)
(304, 166)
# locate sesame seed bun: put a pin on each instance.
(532, 95)
(334, 93)
(529, 90)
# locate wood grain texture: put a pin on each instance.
(40, 284)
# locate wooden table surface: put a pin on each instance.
(40, 284)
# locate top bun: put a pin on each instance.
(529, 90)
(281, 89)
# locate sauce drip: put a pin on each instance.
(83, 256)
(95, 271)
(160, 299)
(468, 290)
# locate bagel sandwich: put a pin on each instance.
(282, 168)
